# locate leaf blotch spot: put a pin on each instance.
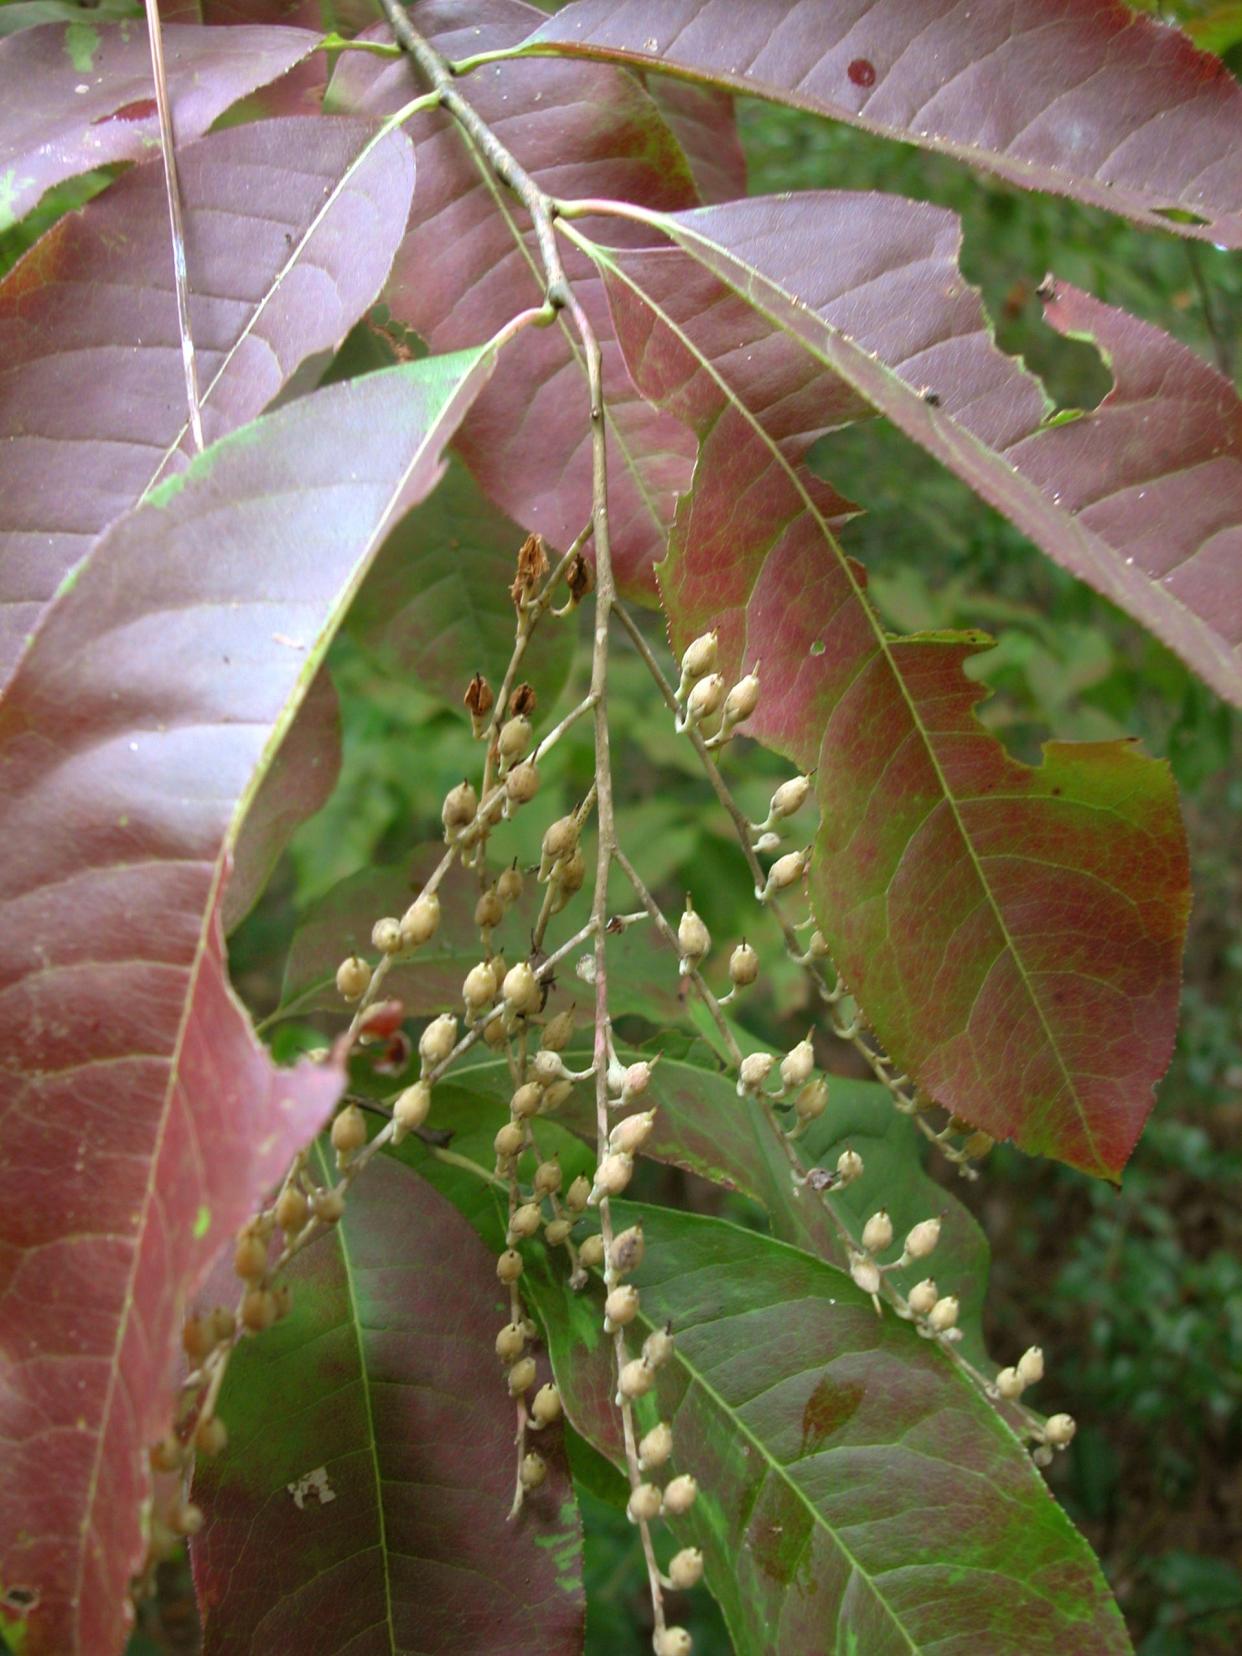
(818, 647)
(140, 110)
(862, 72)
(827, 1409)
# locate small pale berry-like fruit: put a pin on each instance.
(197, 1335)
(673, 1641)
(578, 1193)
(353, 976)
(923, 1238)
(258, 1310)
(693, 937)
(438, 1039)
(510, 1343)
(742, 700)
(329, 1206)
(168, 1455)
(707, 697)
(223, 1323)
(494, 1034)
(412, 1106)
(621, 1306)
(787, 870)
(534, 1470)
(509, 1265)
(628, 1248)
(522, 782)
(922, 1297)
(977, 1146)
(548, 1178)
(943, 1315)
(754, 1070)
(459, 808)
(548, 1067)
(514, 738)
(866, 1273)
(613, 1174)
(744, 964)
(187, 1519)
(559, 839)
(631, 1134)
(636, 1378)
(658, 1347)
(249, 1257)
(509, 1140)
(557, 1231)
(1031, 1365)
(509, 886)
(521, 988)
(489, 910)
(791, 796)
(557, 1032)
(849, 1166)
(292, 1209)
(644, 1503)
(798, 1063)
(655, 1447)
(546, 1405)
(878, 1232)
(1009, 1383)
(478, 989)
(349, 1131)
(1059, 1430)
(525, 1220)
(521, 1376)
(526, 1100)
(591, 1252)
(685, 1569)
(421, 920)
(386, 935)
(679, 1495)
(210, 1436)
(636, 1080)
(818, 946)
(812, 1100)
(701, 656)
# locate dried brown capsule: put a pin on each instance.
(349, 1132)
(460, 807)
(258, 1310)
(292, 1210)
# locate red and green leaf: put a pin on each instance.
(384, 1377)
(78, 95)
(1013, 933)
(1079, 97)
(290, 231)
(141, 1120)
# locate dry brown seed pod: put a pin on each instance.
(490, 909)
(509, 886)
(349, 1131)
(223, 1323)
(532, 566)
(329, 1205)
(292, 1210)
(258, 1310)
(249, 1258)
(557, 1032)
(460, 807)
(514, 738)
(478, 701)
(522, 782)
(353, 976)
(197, 1335)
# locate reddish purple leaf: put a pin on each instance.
(390, 1354)
(290, 232)
(1142, 497)
(1079, 97)
(1014, 934)
(578, 129)
(77, 95)
(141, 1120)
(701, 119)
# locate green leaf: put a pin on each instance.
(370, 1463)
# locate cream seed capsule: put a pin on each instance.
(658, 1347)
(812, 1100)
(525, 1220)
(514, 738)
(630, 1135)
(636, 1378)
(787, 870)
(655, 1447)
(250, 1263)
(510, 1343)
(546, 1405)
(521, 989)
(353, 977)
(211, 1436)
(349, 1131)
(386, 935)
(707, 697)
(556, 1231)
(1059, 1430)
(693, 937)
(644, 1503)
(526, 1100)
(421, 920)
(522, 782)
(559, 839)
(556, 1095)
(548, 1067)
(791, 796)
(701, 656)
(494, 1034)
(292, 1209)
(591, 1252)
(478, 989)
(798, 1064)
(578, 1193)
(923, 1238)
(548, 1178)
(621, 1306)
(943, 1315)
(679, 1495)
(849, 1166)
(743, 965)
(521, 1376)
(509, 1140)
(459, 808)
(866, 1273)
(509, 886)
(878, 1232)
(438, 1039)
(922, 1297)
(742, 700)
(258, 1310)
(509, 1265)
(489, 910)
(628, 1248)
(534, 1470)
(412, 1107)
(557, 1032)
(1009, 1383)
(818, 946)
(754, 1071)
(673, 1641)
(612, 1175)
(685, 1569)
(329, 1206)
(1031, 1366)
